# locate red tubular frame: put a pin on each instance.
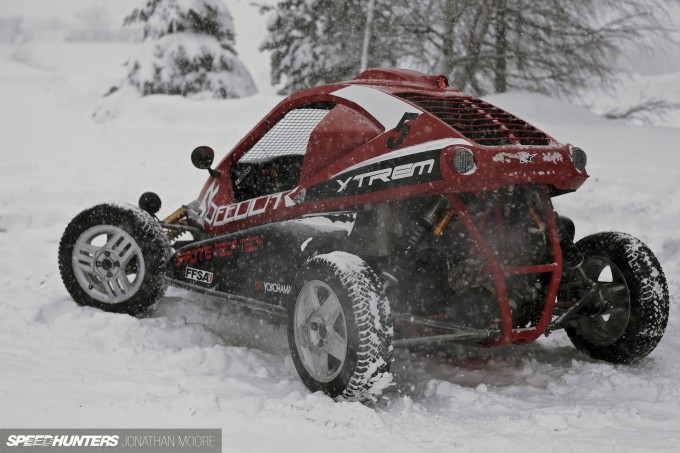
(499, 273)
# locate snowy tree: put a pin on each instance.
(320, 41)
(188, 50)
(483, 46)
(547, 46)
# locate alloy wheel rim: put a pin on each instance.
(108, 264)
(320, 331)
(609, 325)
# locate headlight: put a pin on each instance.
(463, 161)
(579, 158)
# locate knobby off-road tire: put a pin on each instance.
(113, 257)
(634, 287)
(339, 327)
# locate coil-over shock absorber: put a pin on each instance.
(571, 255)
(577, 289)
(432, 221)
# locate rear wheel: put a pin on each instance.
(633, 288)
(339, 331)
(112, 257)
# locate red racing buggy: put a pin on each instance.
(390, 210)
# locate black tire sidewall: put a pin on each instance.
(149, 237)
(634, 343)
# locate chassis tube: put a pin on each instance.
(498, 274)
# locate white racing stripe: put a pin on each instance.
(387, 109)
(415, 149)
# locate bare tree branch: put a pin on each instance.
(644, 111)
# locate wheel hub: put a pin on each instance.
(317, 332)
(105, 265)
(323, 331)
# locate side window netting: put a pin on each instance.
(288, 137)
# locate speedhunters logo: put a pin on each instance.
(389, 174)
(47, 440)
(111, 440)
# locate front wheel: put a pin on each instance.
(112, 257)
(633, 288)
(339, 329)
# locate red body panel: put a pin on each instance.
(339, 133)
(353, 142)
(365, 129)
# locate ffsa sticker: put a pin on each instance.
(198, 275)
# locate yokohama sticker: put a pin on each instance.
(268, 287)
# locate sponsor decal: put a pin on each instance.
(426, 147)
(300, 197)
(250, 243)
(198, 275)
(215, 215)
(523, 157)
(268, 287)
(194, 256)
(553, 157)
(207, 200)
(387, 174)
(221, 249)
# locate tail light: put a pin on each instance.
(578, 158)
(464, 161)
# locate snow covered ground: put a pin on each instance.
(193, 364)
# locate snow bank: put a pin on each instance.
(540, 109)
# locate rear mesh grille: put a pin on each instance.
(479, 121)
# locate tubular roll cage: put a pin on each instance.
(499, 272)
